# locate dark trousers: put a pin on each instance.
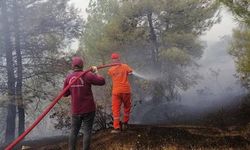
(76, 121)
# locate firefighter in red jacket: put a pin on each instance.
(82, 102)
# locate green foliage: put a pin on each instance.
(38, 31)
(240, 50)
(240, 8)
(240, 46)
(101, 13)
(45, 28)
(162, 35)
(175, 55)
(52, 26)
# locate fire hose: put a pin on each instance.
(51, 105)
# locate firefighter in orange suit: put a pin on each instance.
(121, 92)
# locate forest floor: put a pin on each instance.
(159, 137)
(226, 129)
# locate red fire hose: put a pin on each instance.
(50, 106)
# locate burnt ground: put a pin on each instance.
(226, 129)
(156, 137)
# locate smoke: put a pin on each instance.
(218, 88)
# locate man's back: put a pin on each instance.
(119, 75)
(82, 100)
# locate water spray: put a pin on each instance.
(51, 105)
(145, 77)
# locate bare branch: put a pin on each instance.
(39, 91)
(2, 66)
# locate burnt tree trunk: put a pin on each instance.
(19, 97)
(11, 114)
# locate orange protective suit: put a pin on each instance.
(121, 93)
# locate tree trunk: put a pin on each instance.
(11, 115)
(19, 98)
(158, 89)
(153, 39)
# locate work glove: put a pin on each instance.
(94, 69)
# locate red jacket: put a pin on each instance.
(82, 100)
